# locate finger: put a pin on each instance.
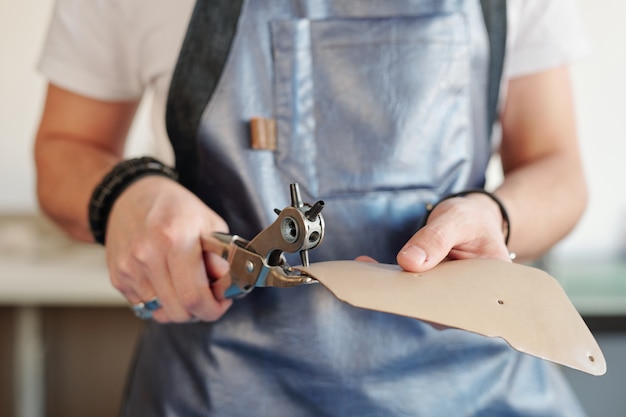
(129, 279)
(217, 268)
(141, 296)
(215, 265)
(219, 287)
(151, 278)
(365, 258)
(191, 284)
(214, 252)
(427, 248)
(172, 309)
(486, 251)
(130, 288)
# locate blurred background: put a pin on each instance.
(67, 337)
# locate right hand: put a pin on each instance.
(159, 244)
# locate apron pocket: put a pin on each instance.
(372, 104)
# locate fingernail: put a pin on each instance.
(413, 254)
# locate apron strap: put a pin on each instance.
(494, 13)
(211, 30)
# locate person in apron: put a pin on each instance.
(381, 108)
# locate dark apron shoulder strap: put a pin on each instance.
(494, 13)
(210, 33)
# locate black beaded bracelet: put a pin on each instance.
(114, 183)
(505, 215)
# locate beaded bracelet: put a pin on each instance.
(114, 183)
(505, 214)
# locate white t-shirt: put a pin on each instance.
(118, 49)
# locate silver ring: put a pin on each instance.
(144, 310)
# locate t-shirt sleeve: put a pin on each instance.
(88, 50)
(543, 34)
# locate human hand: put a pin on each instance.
(457, 228)
(159, 244)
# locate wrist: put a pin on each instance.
(114, 183)
(506, 224)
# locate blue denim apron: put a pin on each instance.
(380, 108)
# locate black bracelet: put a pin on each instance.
(112, 185)
(505, 215)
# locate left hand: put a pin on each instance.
(458, 228)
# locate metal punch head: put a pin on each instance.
(299, 227)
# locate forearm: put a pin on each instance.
(544, 187)
(78, 141)
(67, 172)
(545, 200)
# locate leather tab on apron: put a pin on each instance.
(263, 133)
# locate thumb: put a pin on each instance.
(426, 249)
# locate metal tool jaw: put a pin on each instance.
(261, 262)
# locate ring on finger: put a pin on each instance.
(144, 309)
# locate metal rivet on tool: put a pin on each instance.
(249, 266)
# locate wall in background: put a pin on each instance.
(599, 84)
(600, 88)
(22, 28)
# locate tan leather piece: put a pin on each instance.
(522, 305)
